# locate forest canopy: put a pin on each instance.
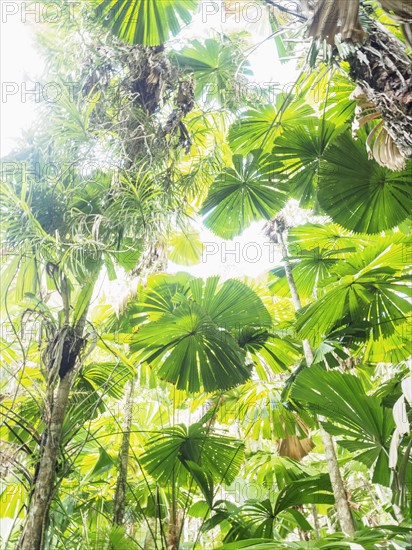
(152, 400)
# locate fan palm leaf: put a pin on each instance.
(358, 193)
(192, 340)
(146, 22)
(242, 194)
(360, 418)
(181, 453)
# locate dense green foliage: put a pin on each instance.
(202, 384)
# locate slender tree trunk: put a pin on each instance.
(67, 347)
(341, 501)
(316, 520)
(175, 520)
(120, 494)
(342, 506)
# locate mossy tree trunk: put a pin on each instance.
(63, 360)
(120, 494)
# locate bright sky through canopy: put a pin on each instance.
(22, 66)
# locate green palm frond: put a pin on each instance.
(364, 292)
(261, 413)
(218, 69)
(310, 490)
(326, 237)
(257, 128)
(259, 517)
(311, 271)
(177, 453)
(146, 22)
(365, 539)
(231, 304)
(360, 418)
(242, 194)
(314, 252)
(191, 341)
(358, 193)
(275, 471)
(299, 151)
(268, 351)
(185, 247)
(189, 350)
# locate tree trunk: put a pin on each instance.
(380, 66)
(175, 528)
(341, 501)
(67, 346)
(176, 519)
(383, 71)
(316, 520)
(120, 495)
(36, 522)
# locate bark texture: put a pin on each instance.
(36, 522)
(379, 63)
(63, 355)
(341, 501)
(316, 520)
(175, 528)
(120, 494)
(383, 71)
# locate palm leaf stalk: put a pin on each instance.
(341, 502)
